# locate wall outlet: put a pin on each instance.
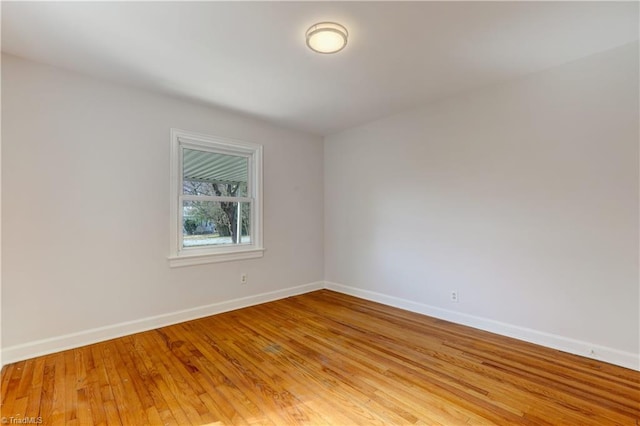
(454, 296)
(244, 278)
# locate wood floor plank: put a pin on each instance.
(293, 368)
(10, 381)
(313, 349)
(368, 351)
(70, 395)
(125, 397)
(58, 402)
(319, 358)
(47, 392)
(262, 384)
(162, 378)
(35, 393)
(156, 403)
(219, 387)
(26, 379)
(276, 345)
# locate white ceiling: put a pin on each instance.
(252, 58)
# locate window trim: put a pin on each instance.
(180, 256)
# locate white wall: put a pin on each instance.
(522, 197)
(85, 196)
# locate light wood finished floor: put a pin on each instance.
(319, 358)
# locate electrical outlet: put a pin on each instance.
(244, 278)
(454, 297)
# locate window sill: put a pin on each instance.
(200, 259)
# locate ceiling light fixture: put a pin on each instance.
(327, 37)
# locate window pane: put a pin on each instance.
(214, 223)
(210, 173)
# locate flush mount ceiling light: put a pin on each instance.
(327, 37)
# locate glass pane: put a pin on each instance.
(210, 173)
(215, 223)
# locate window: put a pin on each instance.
(216, 203)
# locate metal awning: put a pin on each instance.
(204, 166)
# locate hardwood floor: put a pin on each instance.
(319, 358)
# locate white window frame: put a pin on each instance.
(185, 256)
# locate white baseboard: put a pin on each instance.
(86, 337)
(565, 344)
(69, 341)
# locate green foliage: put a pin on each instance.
(190, 226)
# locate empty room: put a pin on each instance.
(332, 213)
